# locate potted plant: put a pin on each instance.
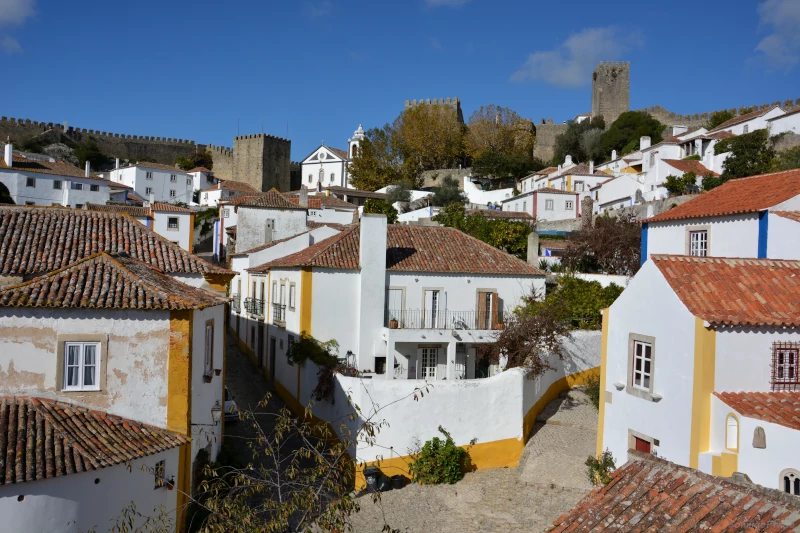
(393, 323)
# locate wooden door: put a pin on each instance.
(642, 445)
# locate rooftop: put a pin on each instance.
(319, 201)
(272, 199)
(651, 494)
(791, 215)
(736, 292)
(156, 166)
(494, 213)
(46, 167)
(107, 281)
(43, 439)
(172, 208)
(230, 185)
(355, 192)
(411, 249)
(689, 165)
(200, 169)
(782, 408)
(39, 240)
(743, 195)
(743, 118)
(266, 246)
(132, 210)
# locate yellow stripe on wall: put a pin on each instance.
(305, 300)
(603, 373)
(702, 388)
(179, 384)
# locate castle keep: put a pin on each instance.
(452, 103)
(611, 88)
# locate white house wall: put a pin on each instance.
(334, 216)
(334, 308)
(787, 123)
(739, 348)
(180, 235)
(45, 195)
(93, 500)
(251, 225)
(758, 123)
(783, 241)
(206, 434)
(161, 184)
(729, 236)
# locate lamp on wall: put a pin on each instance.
(216, 413)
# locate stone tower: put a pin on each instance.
(611, 87)
(262, 161)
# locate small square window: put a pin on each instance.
(172, 193)
(57, 184)
(148, 175)
(30, 182)
(148, 190)
(81, 366)
(698, 243)
(172, 223)
(173, 178)
(77, 186)
(568, 205)
(225, 212)
(94, 188)
(786, 366)
(548, 204)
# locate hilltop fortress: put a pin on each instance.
(260, 160)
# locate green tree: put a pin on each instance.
(677, 185)
(579, 302)
(579, 137)
(383, 207)
(430, 137)
(500, 143)
(400, 192)
(750, 155)
(507, 235)
(379, 162)
(447, 193)
(787, 160)
(612, 245)
(88, 151)
(197, 159)
(5, 195)
(719, 117)
(625, 132)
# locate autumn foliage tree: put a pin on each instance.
(500, 143)
(430, 137)
(611, 246)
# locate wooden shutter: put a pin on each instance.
(481, 310)
(495, 314)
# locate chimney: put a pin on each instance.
(567, 160)
(644, 142)
(87, 171)
(533, 249)
(303, 196)
(372, 289)
(591, 167)
(613, 155)
(116, 163)
(9, 154)
(587, 212)
(219, 185)
(151, 198)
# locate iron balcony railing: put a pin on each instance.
(279, 313)
(236, 302)
(444, 319)
(254, 306)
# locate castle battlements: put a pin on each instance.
(436, 101)
(670, 118)
(34, 127)
(261, 136)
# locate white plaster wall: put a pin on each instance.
(74, 503)
(425, 212)
(205, 434)
(751, 349)
(251, 225)
(181, 235)
(621, 189)
(334, 307)
(45, 195)
(783, 241)
(786, 123)
(649, 307)
(136, 177)
(202, 180)
(729, 236)
(332, 164)
(335, 216)
(559, 211)
(758, 123)
(136, 362)
(476, 195)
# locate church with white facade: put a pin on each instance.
(327, 166)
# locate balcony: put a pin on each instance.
(236, 302)
(279, 314)
(445, 319)
(254, 306)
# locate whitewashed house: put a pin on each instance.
(157, 182)
(786, 123)
(746, 217)
(202, 178)
(225, 190)
(700, 366)
(750, 122)
(124, 367)
(176, 224)
(327, 166)
(412, 304)
(324, 208)
(616, 192)
(45, 183)
(545, 204)
(266, 217)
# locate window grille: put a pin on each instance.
(785, 366)
(698, 243)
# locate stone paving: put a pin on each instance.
(549, 481)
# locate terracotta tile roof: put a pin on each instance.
(107, 281)
(791, 215)
(602, 183)
(651, 494)
(340, 153)
(690, 166)
(132, 210)
(46, 167)
(745, 292)
(493, 213)
(230, 185)
(743, 195)
(411, 249)
(116, 185)
(548, 170)
(581, 170)
(554, 245)
(43, 439)
(550, 190)
(172, 208)
(272, 199)
(743, 118)
(668, 140)
(200, 169)
(719, 135)
(320, 201)
(334, 225)
(157, 166)
(355, 192)
(785, 114)
(782, 408)
(266, 246)
(38, 240)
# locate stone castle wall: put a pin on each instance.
(453, 103)
(262, 161)
(546, 134)
(669, 118)
(611, 88)
(223, 161)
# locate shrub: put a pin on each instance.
(381, 207)
(695, 157)
(600, 468)
(593, 389)
(440, 461)
(681, 185)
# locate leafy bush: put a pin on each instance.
(625, 132)
(381, 207)
(197, 159)
(695, 157)
(544, 265)
(448, 193)
(787, 160)
(600, 468)
(579, 302)
(440, 461)
(593, 389)
(681, 185)
(507, 235)
(751, 154)
(719, 117)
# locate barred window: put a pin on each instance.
(785, 366)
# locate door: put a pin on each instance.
(271, 357)
(435, 307)
(461, 360)
(394, 306)
(642, 445)
(428, 359)
(261, 346)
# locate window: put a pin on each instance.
(790, 481)
(173, 178)
(652, 159)
(148, 175)
(579, 186)
(94, 188)
(78, 206)
(333, 175)
(785, 366)
(274, 292)
(57, 184)
(283, 294)
(225, 212)
(732, 433)
(77, 186)
(568, 205)
(158, 474)
(746, 128)
(641, 365)
(81, 366)
(289, 344)
(525, 205)
(148, 190)
(698, 243)
(321, 175)
(189, 181)
(310, 177)
(172, 223)
(292, 293)
(429, 357)
(209, 352)
(30, 182)
(172, 193)
(548, 204)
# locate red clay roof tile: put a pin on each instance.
(172, 208)
(752, 292)
(230, 185)
(791, 215)
(782, 408)
(271, 199)
(690, 166)
(743, 118)
(319, 201)
(132, 210)
(46, 167)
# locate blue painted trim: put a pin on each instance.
(763, 233)
(644, 244)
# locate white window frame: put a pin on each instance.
(225, 212)
(791, 475)
(173, 178)
(568, 205)
(148, 175)
(631, 387)
(177, 225)
(81, 366)
(292, 295)
(694, 240)
(428, 361)
(548, 205)
(579, 187)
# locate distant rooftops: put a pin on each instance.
(743, 118)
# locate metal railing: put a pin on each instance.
(279, 313)
(444, 319)
(254, 306)
(236, 302)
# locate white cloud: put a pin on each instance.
(446, 3)
(781, 18)
(571, 63)
(317, 9)
(435, 44)
(9, 45)
(16, 11)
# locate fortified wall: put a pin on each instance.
(546, 134)
(669, 118)
(453, 103)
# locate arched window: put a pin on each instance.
(321, 175)
(355, 151)
(790, 481)
(333, 175)
(732, 432)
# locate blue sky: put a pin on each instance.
(195, 70)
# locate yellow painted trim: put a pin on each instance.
(218, 282)
(564, 384)
(224, 372)
(191, 232)
(184, 485)
(702, 388)
(179, 380)
(724, 464)
(306, 288)
(569, 182)
(601, 415)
